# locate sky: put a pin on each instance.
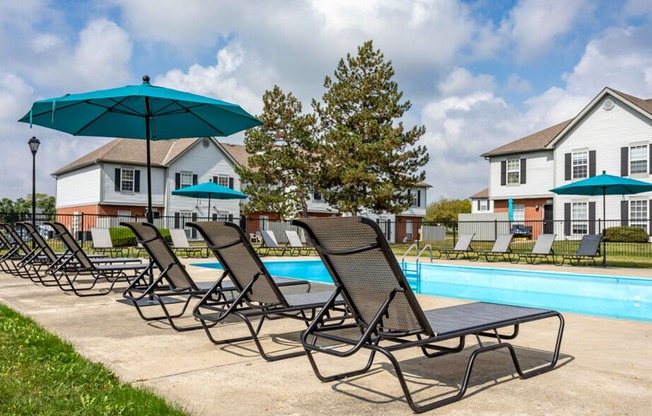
(479, 74)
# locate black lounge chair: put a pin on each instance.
(78, 273)
(259, 297)
(462, 248)
(388, 317)
(17, 254)
(542, 250)
(500, 249)
(588, 251)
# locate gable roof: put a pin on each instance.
(546, 139)
(483, 194)
(133, 152)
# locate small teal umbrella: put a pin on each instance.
(140, 112)
(209, 190)
(604, 185)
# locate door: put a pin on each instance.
(548, 223)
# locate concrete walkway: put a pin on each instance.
(605, 367)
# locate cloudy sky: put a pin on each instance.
(479, 74)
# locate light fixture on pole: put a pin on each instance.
(34, 143)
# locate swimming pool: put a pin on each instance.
(609, 296)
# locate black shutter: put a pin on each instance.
(137, 180)
(231, 183)
(177, 180)
(624, 161)
(418, 197)
(193, 232)
(567, 219)
(230, 217)
(214, 217)
(624, 213)
(176, 219)
(478, 201)
(503, 173)
(117, 179)
(194, 179)
(591, 163)
(567, 167)
(591, 217)
(523, 169)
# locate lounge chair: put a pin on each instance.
(181, 245)
(294, 244)
(269, 243)
(259, 297)
(462, 247)
(17, 254)
(79, 274)
(542, 250)
(500, 249)
(103, 244)
(389, 319)
(588, 250)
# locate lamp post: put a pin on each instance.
(33, 146)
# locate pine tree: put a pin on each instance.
(278, 177)
(367, 158)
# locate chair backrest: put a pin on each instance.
(239, 259)
(590, 245)
(161, 254)
(179, 239)
(463, 242)
(363, 266)
(101, 237)
(40, 241)
(544, 244)
(269, 238)
(501, 245)
(69, 241)
(293, 238)
(17, 239)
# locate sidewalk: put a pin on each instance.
(605, 367)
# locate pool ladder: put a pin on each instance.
(416, 248)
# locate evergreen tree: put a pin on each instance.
(368, 159)
(278, 177)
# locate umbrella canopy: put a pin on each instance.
(140, 112)
(604, 185)
(209, 190)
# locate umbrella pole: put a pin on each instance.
(208, 213)
(604, 227)
(150, 213)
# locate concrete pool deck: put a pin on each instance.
(605, 366)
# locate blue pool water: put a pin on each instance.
(610, 296)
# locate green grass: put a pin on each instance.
(42, 375)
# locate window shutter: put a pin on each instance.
(478, 205)
(591, 163)
(624, 213)
(137, 180)
(503, 173)
(194, 179)
(230, 217)
(567, 167)
(418, 197)
(523, 170)
(231, 183)
(176, 219)
(117, 179)
(567, 218)
(624, 161)
(177, 180)
(214, 217)
(193, 232)
(591, 217)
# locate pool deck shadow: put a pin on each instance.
(605, 366)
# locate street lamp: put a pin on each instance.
(34, 143)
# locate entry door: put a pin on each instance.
(548, 223)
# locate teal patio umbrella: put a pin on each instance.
(210, 190)
(604, 185)
(144, 112)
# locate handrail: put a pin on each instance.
(416, 247)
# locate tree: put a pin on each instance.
(368, 160)
(445, 211)
(21, 209)
(279, 175)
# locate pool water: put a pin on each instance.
(609, 296)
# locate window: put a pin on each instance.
(414, 199)
(580, 217)
(638, 156)
(483, 205)
(186, 179)
(638, 213)
(409, 230)
(518, 212)
(513, 172)
(223, 180)
(316, 196)
(124, 214)
(580, 164)
(263, 221)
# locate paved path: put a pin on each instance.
(605, 368)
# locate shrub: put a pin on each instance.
(123, 237)
(627, 235)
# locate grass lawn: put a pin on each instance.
(42, 375)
